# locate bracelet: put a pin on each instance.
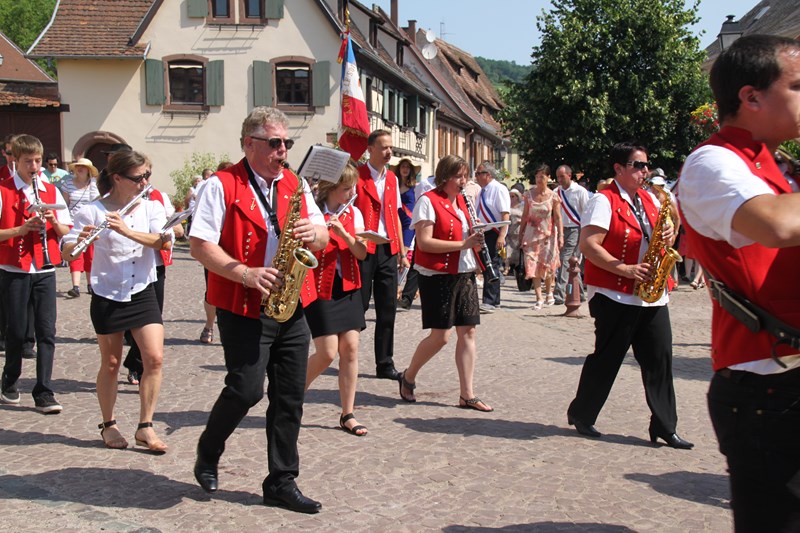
(244, 277)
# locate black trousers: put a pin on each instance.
(30, 336)
(412, 283)
(254, 348)
(757, 422)
(133, 361)
(20, 291)
(617, 328)
(491, 290)
(379, 277)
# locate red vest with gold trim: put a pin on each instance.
(765, 276)
(369, 203)
(166, 255)
(447, 227)
(337, 249)
(623, 239)
(244, 237)
(20, 251)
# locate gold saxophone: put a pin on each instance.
(660, 264)
(293, 261)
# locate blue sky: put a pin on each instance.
(506, 29)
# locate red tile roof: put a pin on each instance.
(94, 28)
(29, 94)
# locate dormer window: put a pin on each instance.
(373, 33)
(399, 55)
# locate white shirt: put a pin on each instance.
(121, 267)
(62, 215)
(209, 212)
(576, 196)
(714, 184)
(493, 201)
(358, 226)
(379, 177)
(423, 211)
(425, 185)
(598, 213)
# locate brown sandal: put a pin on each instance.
(207, 336)
(474, 403)
(118, 443)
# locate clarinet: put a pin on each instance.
(490, 273)
(47, 266)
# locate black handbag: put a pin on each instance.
(523, 284)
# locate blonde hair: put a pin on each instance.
(26, 144)
(348, 178)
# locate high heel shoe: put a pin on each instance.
(156, 446)
(672, 440)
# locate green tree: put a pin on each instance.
(608, 71)
(192, 166)
(22, 22)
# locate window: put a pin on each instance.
(184, 83)
(232, 12)
(399, 54)
(221, 12)
(422, 123)
(253, 9)
(293, 84)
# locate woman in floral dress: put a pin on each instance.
(541, 235)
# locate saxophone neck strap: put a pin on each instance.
(273, 216)
(638, 209)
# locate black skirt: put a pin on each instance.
(343, 312)
(449, 300)
(110, 316)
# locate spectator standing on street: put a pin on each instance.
(407, 178)
(80, 189)
(52, 169)
(494, 205)
(573, 198)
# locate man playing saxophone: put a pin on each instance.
(617, 227)
(235, 227)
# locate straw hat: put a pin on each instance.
(83, 162)
(415, 169)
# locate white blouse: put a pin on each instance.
(121, 267)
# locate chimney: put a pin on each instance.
(395, 17)
(411, 31)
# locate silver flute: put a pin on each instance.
(343, 208)
(95, 233)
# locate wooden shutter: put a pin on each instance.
(154, 82)
(321, 80)
(262, 83)
(215, 83)
(413, 111)
(273, 9)
(197, 8)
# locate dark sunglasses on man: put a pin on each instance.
(275, 142)
(639, 165)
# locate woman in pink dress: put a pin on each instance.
(541, 235)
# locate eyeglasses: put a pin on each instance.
(275, 142)
(139, 178)
(52, 164)
(639, 165)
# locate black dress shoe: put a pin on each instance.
(205, 472)
(388, 373)
(28, 353)
(587, 430)
(673, 441)
(293, 500)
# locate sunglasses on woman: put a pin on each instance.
(639, 165)
(139, 178)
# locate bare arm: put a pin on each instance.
(427, 243)
(770, 220)
(214, 258)
(591, 245)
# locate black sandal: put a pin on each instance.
(409, 386)
(472, 403)
(156, 447)
(353, 430)
(121, 442)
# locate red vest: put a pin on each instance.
(337, 248)
(166, 255)
(5, 173)
(369, 203)
(20, 251)
(766, 276)
(623, 239)
(447, 227)
(244, 237)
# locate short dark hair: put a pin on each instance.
(750, 60)
(375, 135)
(52, 155)
(621, 152)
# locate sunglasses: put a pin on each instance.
(639, 165)
(139, 178)
(275, 142)
(52, 164)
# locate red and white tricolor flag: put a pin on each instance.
(354, 125)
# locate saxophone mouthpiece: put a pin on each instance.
(285, 164)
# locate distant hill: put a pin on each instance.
(500, 70)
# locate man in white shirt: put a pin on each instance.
(51, 169)
(573, 201)
(494, 205)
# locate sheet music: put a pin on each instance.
(323, 163)
(176, 219)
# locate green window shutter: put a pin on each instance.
(386, 110)
(401, 101)
(215, 83)
(262, 83)
(154, 82)
(197, 8)
(413, 110)
(273, 9)
(321, 78)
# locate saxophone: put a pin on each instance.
(293, 261)
(661, 264)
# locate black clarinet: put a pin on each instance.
(490, 273)
(47, 266)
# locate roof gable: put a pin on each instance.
(16, 67)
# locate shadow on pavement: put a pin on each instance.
(682, 368)
(108, 487)
(708, 489)
(543, 527)
(10, 437)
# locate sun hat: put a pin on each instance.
(83, 162)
